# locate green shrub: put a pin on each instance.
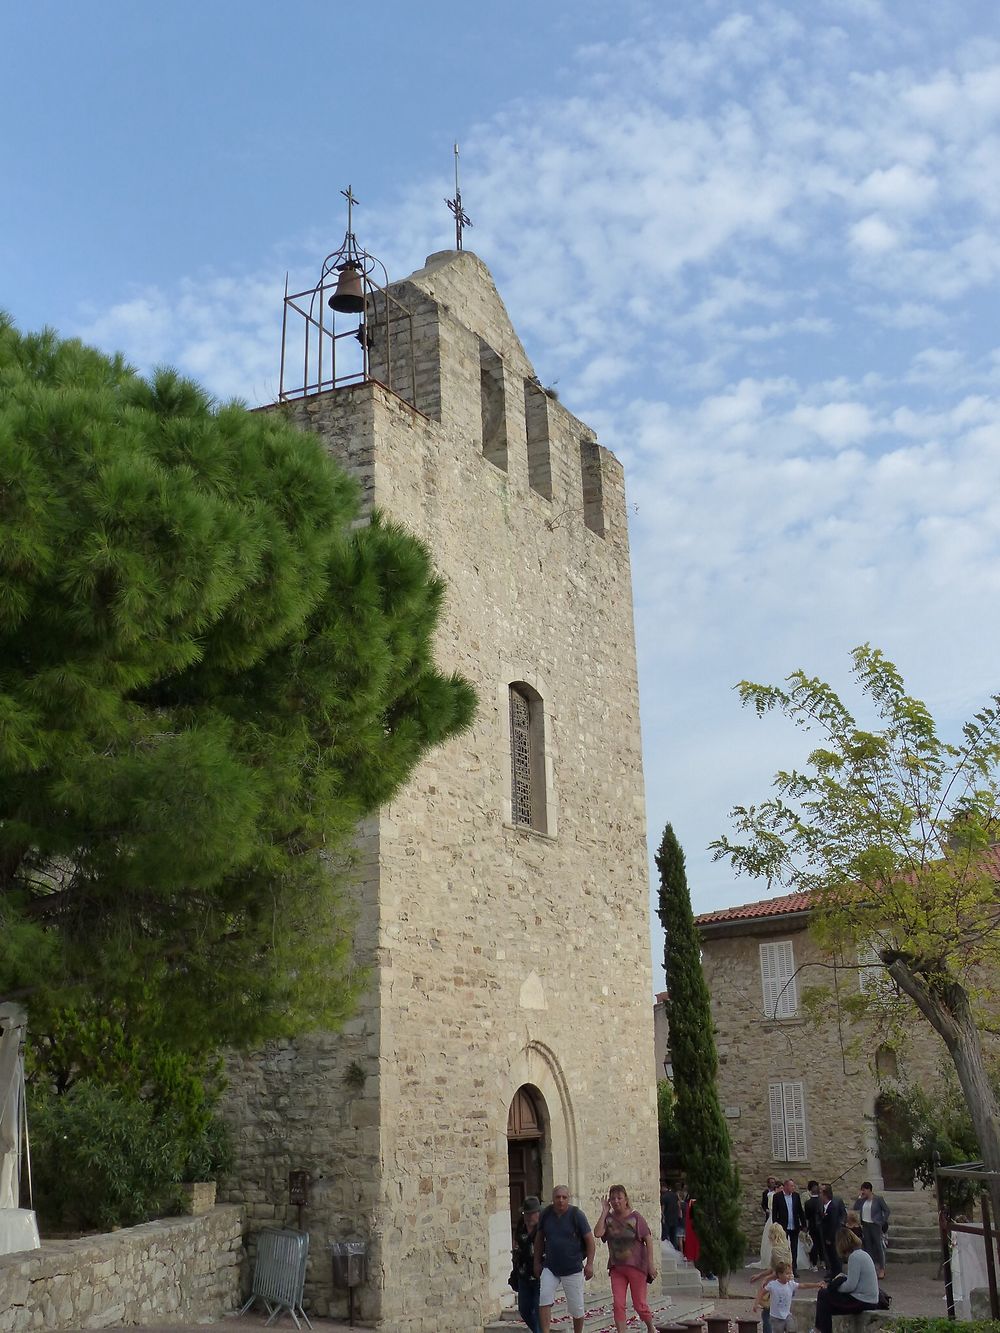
(101, 1159)
(209, 1153)
(108, 1157)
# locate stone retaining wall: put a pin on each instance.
(176, 1270)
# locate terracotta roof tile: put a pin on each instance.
(783, 906)
(789, 903)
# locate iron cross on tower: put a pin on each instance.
(351, 201)
(462, 219)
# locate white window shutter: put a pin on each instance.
(777, 1122)
(768, 978)
(777, 979)
(871, 973)
(794, 1107)
(787, 1000)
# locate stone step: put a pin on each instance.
(914, 1219)
(922, 1256)
(912, 1205)
(917, 1240)
(687, 1284)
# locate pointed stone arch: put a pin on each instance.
(536, 1066)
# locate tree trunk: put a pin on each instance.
(948, 1011)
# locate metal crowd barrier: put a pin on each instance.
(279, 1275)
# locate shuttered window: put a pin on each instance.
(777, 978)
(872, 976)
(787, 1103)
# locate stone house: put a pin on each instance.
(502, 900)
(803, 1097)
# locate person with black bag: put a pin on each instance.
(850, 1292)
(522, 1275)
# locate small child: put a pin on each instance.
(779, 1293)
(780, 1252)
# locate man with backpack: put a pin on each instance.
(564, 1257)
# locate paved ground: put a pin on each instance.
(916, 1290)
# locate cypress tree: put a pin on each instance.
(710, 1173)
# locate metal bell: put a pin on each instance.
(349, 298)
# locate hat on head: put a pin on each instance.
(532, 1204)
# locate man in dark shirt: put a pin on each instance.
(813, 1209)
(564, 1257)
(670, 1214)
(834, 1217)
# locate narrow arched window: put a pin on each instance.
(527, 758)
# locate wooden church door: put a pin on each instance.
(525, 1139)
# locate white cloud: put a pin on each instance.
(139, 326)
(764, 263)
(898, 187)
(874, 235)
(221, 329)
(836, 424)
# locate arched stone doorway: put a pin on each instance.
(892, 1128)
(526, 1120)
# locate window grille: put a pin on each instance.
(777, 979)
(520, 757)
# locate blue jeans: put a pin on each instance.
(527, 1302)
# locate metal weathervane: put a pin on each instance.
(462, 219)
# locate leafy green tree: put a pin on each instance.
(208, 674)
(934, 1127)
(894, 832)
(711, 1175)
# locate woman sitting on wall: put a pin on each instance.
(849, 1292)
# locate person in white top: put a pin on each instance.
(873, 1211)
(781, 1289)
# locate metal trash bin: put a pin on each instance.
(348, 1262)
(349, 1259)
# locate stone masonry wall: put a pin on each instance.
(175, 1271)
(501, 945)
(834, 1056)
(312, 1104)
(502, 956)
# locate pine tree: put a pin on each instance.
(711, 1175)
(208, 675)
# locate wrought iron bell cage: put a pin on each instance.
(367, 337)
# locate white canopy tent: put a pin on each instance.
(18, 1229)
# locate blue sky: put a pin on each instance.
(756, 245)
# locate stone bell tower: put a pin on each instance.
(505, 1042)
